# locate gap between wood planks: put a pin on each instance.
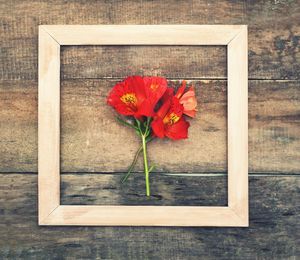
(181, 78)
(210, 174)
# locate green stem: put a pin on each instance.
(146, 165)
(126, 123)
(145, 135)
(125, 178)
(133, 164)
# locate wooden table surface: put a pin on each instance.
(95, 150)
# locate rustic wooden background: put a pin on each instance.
(94, 150)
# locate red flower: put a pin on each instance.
(137, 96)
(169, 121)
(188, 100)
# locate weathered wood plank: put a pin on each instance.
(121, 61)
(273, 38)
(166, 190)
(273, 232)
(92, 141)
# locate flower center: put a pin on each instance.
(129, 99)
(171, 119)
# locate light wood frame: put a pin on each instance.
(51, 37)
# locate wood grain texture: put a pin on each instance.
(166, 189)
(91, 138)
(273, 38)
(273, 231)
(120, 61)
(237, 124)
(48, 124)
(149, 34)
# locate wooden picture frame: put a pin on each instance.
(51, 37)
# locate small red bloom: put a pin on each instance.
(187, 99)
(169, 121)
(137, 96)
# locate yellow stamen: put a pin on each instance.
(171, 119)
(129, 99)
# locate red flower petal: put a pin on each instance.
(148, 96)
(176, 107)
(136, 83)
(164, 108)
(178, 130)
(155, 87)
(158, 127)
(169, 93)
(189, 102)
(114, 99)
(146, 108)
(181, 89)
